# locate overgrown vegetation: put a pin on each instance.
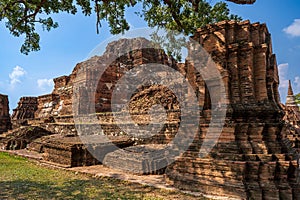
(21, 178)
(21, 16)
(297, 98)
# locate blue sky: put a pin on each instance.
(76, 37)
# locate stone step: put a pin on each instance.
(141, 159)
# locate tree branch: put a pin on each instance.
(26, 16)
(173, 13)
(98, 23)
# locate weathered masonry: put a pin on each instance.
(4, 114)
(255, 155)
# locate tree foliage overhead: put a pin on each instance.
(22, 16)
(297, 98)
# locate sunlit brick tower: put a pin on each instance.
(250, 159)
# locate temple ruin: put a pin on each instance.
(4, 114)
(292, 120)
(251, 159)
(254, 158)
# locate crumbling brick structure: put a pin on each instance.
(250, 160)
(59, 102)
(25, 109)
(4, 114)
(19, 138)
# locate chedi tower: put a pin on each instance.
(251, 159)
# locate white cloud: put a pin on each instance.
(44, 84)
(16, 74)
(293, 29)
(284, 81)
(297, 83)
(282, 70)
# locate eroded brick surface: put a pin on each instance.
(251, 159)
(4, 114)
(254, 157)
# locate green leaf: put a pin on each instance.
(22, 17)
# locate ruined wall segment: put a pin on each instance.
(5, 123)
(46, 105)
(100, 74)
(92, 75)
(87, 74)
(25, 109)
(59, 102)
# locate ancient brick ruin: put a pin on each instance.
(25, 109)
(4, 114)
(251, 159)
(20, 137)
(292, 119)
(58, 103)
(254, 158)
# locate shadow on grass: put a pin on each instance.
(73, 189)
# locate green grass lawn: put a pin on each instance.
(21, 178)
